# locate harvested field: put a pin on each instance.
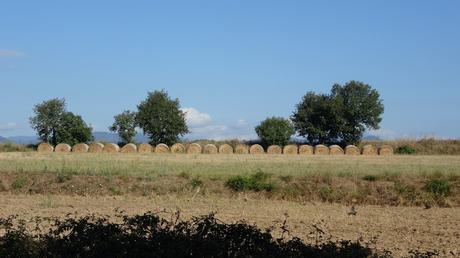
(385, 227)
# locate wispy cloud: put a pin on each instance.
(8, 126)
(11, 53)
(202, 126)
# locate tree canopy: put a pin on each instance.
(125, 126)
(341, 116)
(275, 130)
(161, 119)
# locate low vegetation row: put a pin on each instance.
(149, 235)
(195, 148)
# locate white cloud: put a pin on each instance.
(10, 53)
(195, 118)
(8, 126)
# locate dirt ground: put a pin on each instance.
(398, 229)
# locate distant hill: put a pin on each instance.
(3, 139)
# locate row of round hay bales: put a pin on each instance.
(195, 148)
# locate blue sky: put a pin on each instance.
(231, 63)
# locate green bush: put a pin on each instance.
(405, 149)
(255, 182)
(196, 182)
(18, 183)
(438, 187)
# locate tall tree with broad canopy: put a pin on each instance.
(341, 116)
(73, 130)
(125, 126)
(48, 118)
(161, 119)
(54, 124)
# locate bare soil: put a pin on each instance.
(398, 229)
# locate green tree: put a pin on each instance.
(125, 126)
(341, 116)
(161, 119)
(275, 130)
(73, 130)
(48, 118)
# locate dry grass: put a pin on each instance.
(80, 148)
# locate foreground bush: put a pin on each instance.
(149, 235)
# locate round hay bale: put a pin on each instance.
(144, 148)
(241, 149)
(290, 149)
(352, 150)
(129, 148)
(96, 147)
(256, 149)
(45, 147)
(321, 150)
(194, 148)
(210, 149)
(335, 150)
(369, 150)
(225, 149)
(385, 150)
(80, 148)
(162, 148)
(305, 150)
(62, 147)
(274, 149)
(178, 148)
(111, 148)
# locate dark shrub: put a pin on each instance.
(255, 182)
(405, 149)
